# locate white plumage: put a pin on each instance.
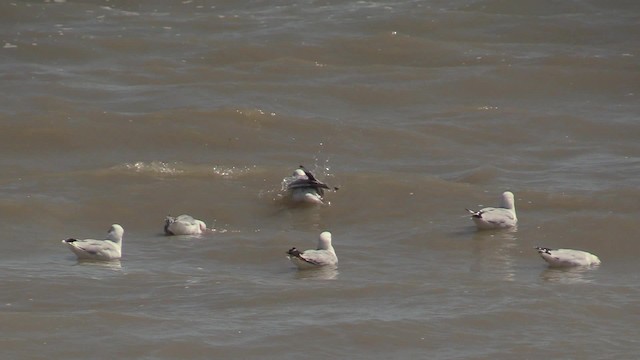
(184, 225)
(567, 257)
(497, 217)
(324, 255)
(90, 249)
(304, 187)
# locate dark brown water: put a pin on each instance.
(124, 112)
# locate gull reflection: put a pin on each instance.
(321, 273)
(493, 253)
(114, 265)
(572, 275)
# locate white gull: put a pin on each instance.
(567, 257)
(90, 249)
(304, 187)
(497, 217)
(183, 225)
(324, 255)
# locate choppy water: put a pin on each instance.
(124, 112)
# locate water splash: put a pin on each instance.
(154, 167)
(232, 171)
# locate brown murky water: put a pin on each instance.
(124, 112)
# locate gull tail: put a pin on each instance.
(294, 252)
(543, 250)
(476, 214)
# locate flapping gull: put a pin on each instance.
(497, 218)
(567, 257)
(324, 255)
(90, 249)
(305, 188)
(183, 225)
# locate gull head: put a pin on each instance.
(324, 241)
(115, 233)
(508, 200)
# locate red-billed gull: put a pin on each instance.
(497, 218)
(90, 249)
(183, 225)
(567, 257)
(324, 255)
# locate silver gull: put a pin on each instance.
(90, 249)
(324, 255)
(497, 217)
(567, 257)
(183, 225)
(304, 187)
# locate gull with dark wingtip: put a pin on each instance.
(90, 249)
(323, 255)
(567, 257)
(497, 217)
(305, 188)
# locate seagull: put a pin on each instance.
(324, 255)
(497, 218)
(90, 249)
(567, 257)
(305, 188)
(183, 225)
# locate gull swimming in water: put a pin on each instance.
(497, 218)
(90, 249)
(567, 257)
(183, 225)
(305, 188)
(324, 255)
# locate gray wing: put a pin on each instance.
(497, 216)
(319, 257)
(574, 256)
(96, 247)
(186, 219)
(309, 182)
